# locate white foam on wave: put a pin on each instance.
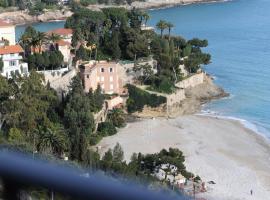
(247, 124)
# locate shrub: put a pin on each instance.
(106, 129)
(139, 98)
(94, 139)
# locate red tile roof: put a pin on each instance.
(11, 49)
(3, 23)
(61, 31)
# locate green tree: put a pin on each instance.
(116, 116)
(1, 64)
(115, 49)
(161, 25)
(78, 117)
(15, 136)
(118, 154)
(52, 140)
(169, 26)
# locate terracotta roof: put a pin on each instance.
(3, 23)
(88, 67)
(11, 49)
(61, 31)
(63, 43)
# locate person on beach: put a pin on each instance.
(251, 192)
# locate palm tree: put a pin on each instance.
(146, 17)
(24, 41)
(41, 39)
(52, 140)
(161, 25)
(169, 26)
(54, 38)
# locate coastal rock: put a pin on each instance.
(195, 97)
(22, 17)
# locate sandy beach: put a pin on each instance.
(219, 150)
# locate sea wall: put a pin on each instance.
(176, 97)
(191, 81)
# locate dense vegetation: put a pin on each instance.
(38, 58)
(32, 118)
(116, 34)
(138, 98)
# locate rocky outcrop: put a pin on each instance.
(22, 17)
(188, 100)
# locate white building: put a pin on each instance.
(7, 32)
(12, 60)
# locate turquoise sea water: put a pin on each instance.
(44, 27)
(239, 42)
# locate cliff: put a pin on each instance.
(187, 100)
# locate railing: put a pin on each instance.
(18, 171)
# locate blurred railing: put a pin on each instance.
(18, 171)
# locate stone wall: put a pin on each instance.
(192, 81)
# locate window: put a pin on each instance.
(111, 79)
(87, 76)
(102, 70)
(12, 63)
(12, 54)
(102, 78)
(111, 86)
(102, 86)
(98, 79)
(111, 69)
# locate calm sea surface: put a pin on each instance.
(239, 42)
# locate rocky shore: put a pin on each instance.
(22, 17)
(195, 97)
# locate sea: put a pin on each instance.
(238, 33)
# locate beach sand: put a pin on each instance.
(219, 150)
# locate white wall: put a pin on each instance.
(8, 33)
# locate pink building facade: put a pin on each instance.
(103, 73)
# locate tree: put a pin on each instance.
(78, 117)
(41, 38)
(107, 160)
(15, 136)
(31, 100)
(169, 26)
(1, 64)
(52, 140)
(116, 116)
(118, 154)
(146, 17)
(161, 25)
(115, 49)
(144, 70)
(53, 38)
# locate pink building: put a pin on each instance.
(103, 73)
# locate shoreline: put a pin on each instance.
(219, 150)
(20, 18)
(245, 123)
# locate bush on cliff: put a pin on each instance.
(138, 98)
